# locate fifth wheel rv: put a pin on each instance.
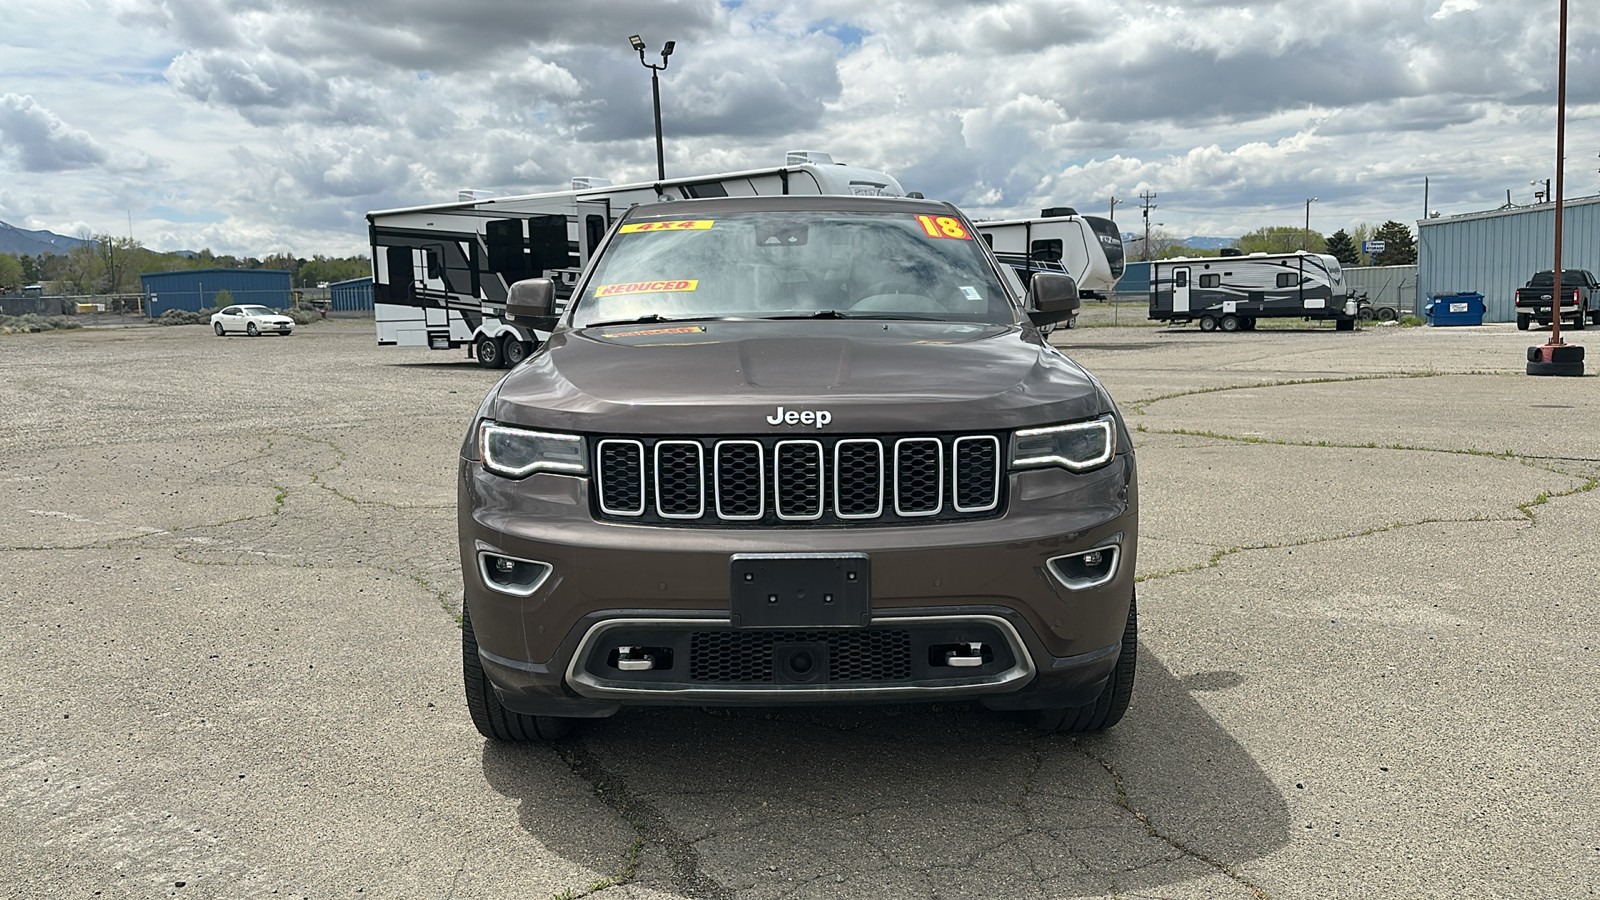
(1232, 292)
(441, 272)
(1089, 248)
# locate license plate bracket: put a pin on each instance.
(800, 590)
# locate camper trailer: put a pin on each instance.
(1232, 292)
(441, 272)
(1089, 248)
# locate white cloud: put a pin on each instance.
(284, 121)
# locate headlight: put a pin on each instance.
(1079, 446)
(518, 452)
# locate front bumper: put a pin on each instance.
(1046, 639)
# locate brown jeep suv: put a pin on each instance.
(785, 450)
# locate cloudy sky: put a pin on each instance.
(260, 126)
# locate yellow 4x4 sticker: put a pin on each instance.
(647, 287)
(674, 225)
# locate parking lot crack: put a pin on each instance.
(649, 824)
(1119, 785)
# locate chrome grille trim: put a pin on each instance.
(720, 482)
(960, 477)
(779, 492)
(904, 470)
(773, 481)
(838, 478)
(699, 489)
(602, 474)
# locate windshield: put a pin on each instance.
(795, 263)
(254, 311)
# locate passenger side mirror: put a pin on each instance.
(1053, 297)
(531, 298)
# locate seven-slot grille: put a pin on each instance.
(793, 481)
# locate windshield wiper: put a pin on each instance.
(652, 319)
(819, 314)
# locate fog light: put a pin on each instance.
(510, 575)
(1089, 569)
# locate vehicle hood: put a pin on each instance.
(732, 377)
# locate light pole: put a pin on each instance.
(655, 94)
(1305, 243)
(1545, 195)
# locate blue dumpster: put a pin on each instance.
(1465, 308)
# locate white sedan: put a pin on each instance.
(251, 320)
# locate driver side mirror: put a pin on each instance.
(1053, 297)
(531, 298)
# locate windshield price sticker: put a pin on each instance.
(943, 227)
(647, 287)
(675, 225)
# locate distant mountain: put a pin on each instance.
(1200, 242)
(17, 242)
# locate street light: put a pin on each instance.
(655, 94)
(1305, 243)
(1545, 194)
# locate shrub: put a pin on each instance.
(1410, 321)
(185, 317)
(33, 324)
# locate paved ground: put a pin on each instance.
(231, 666)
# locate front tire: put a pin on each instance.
(488, 352)
(492, 719)
(1107, 709)
(252, 330)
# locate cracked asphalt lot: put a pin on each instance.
(1367, 664)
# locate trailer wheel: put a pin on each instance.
(1365, 314)
(492, 719)
(1387, 314)
(1208, 323)
(1229, 323)
(488, 352)
(516, 351)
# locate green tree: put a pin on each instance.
(1280, 239)
(11, 275)
(1343, 249)
(118, 256)
(1399, 247)
(84, 268)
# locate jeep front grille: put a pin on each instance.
(792, 481)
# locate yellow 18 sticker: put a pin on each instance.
(943, 227)
(675, 225)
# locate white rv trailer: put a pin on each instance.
(440, 273)
(1089, 248)
(1232, 292)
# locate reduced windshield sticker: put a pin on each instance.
(647, 287)
(970, 292)
(675, 225)
(944, 227)
(648, 332)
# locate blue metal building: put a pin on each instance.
(353, 295)
(197, 289)
(1494, 253)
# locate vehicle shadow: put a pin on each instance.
(947, 801)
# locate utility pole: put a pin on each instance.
(1114, 202)
(1147, 196)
